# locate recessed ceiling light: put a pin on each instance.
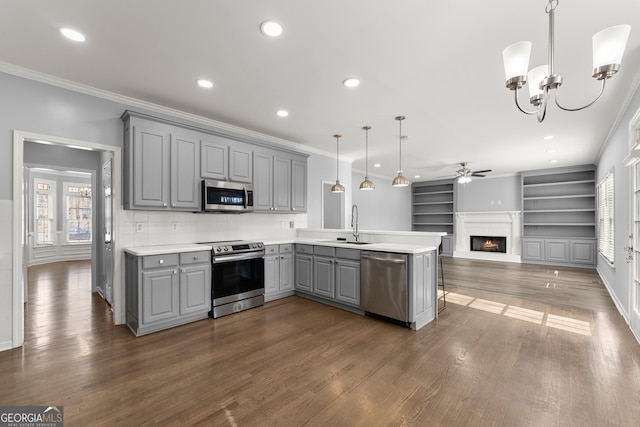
(207, 84)
(551, 151)
(71, 34)
(417, 176)
(351, 82)
(271, 28)
(553, 161)
(377, 165)
(282, 113)
(548, 137)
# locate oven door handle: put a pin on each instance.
(238, 257)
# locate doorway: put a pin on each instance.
(333, 207)
(20, 139)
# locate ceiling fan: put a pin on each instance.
(464, 174)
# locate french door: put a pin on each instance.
(633, 254)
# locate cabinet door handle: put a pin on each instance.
(164, 205)
(161, 261)
(195, 258)
(175, 271)
(293, 209)
(182, 270)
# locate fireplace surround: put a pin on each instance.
(505, 224)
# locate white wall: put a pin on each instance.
(617, 276)
(489, 194)
(385, 208)
(323, 168)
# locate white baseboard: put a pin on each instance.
(622, 312)
(6, 345)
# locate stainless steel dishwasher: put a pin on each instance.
(383, 285)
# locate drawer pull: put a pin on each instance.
(161, 261)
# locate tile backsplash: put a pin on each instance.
(144, 228)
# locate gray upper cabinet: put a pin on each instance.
(279, 183)
(214, 158)
(149, 151)
(263, 182)
(185, 172)
(164, 162)
(299, 186)
(161, 166)
(240, 163)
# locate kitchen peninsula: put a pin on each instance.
(325, 266)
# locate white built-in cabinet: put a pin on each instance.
(165, 162)
(278, 271)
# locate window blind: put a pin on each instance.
(605, 217)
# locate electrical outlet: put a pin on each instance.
(139, 227)
(174, 226)
(292, 224)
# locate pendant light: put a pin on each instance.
(400, 180)
(367, 184)
(337, 187)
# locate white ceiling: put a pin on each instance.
(437, 63)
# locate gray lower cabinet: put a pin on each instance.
(168, 290)
(447, 245)
(348, 281)
(559, 251)
(278, 271)
(323, 277)
(332, 274)
(303, 276)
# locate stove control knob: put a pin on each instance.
(226, 249)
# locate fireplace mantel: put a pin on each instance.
(503, 223)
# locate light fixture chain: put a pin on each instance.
(400, 142)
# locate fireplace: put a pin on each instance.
(488, 244)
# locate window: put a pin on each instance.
(77, 199)
(44, 211)
(605, 217)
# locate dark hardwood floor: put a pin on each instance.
(508, 350)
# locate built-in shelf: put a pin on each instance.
(559, 215)
(433, 205)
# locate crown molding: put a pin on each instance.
(149, 106)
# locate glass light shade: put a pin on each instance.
(337, 187)
(464, 179)
(400, 180)
(609, 45)
(534, 77)
(516, 59)
(367, 184)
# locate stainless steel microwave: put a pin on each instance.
(223, 196)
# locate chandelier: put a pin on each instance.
(608, 48)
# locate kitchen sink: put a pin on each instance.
(347, 242)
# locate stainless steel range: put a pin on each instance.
(237, 279)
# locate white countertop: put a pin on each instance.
(167, 249)
(378, 247)
(193, 247)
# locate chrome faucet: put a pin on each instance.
(354, 221)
